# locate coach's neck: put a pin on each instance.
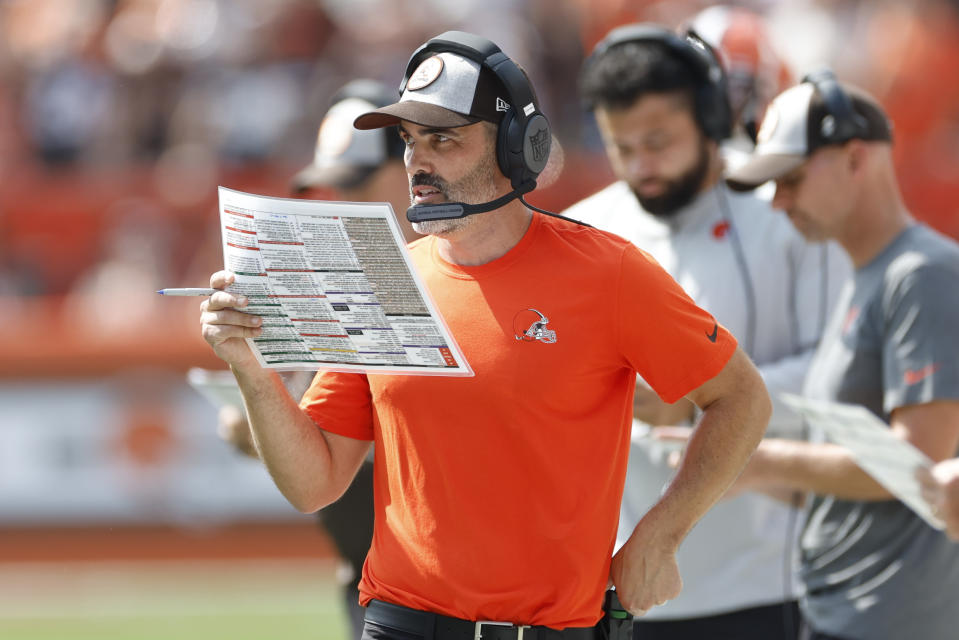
(489, 237)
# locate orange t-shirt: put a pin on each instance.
(497, 496)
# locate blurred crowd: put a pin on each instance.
(118, 118)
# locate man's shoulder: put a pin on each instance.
(924, 258)
(602, 205)
(581, 243)
(577, 231)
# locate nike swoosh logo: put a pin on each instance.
(912, 376)
(712, 336)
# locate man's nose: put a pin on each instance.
(640, 166)
(418, 160)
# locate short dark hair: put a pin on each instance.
(622, 74)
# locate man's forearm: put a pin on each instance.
(718, 449)
(736, 408)
(294, 450)
(820, 468)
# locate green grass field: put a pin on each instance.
(186, 600)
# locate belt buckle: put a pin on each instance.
(478, 628)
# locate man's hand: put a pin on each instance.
(940, 488)
(645, 573)
(650, 409)
(233, 427)
(224, 327)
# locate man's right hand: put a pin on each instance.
(224, 326)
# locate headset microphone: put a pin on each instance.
(453, 210)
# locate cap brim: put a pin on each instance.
(421, 113)
(341, 177)
(760, 169)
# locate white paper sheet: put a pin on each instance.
(891, 461)
(335, 286)
(217, 386)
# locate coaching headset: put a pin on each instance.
(843, 123)
(523, 139)
(712, 109)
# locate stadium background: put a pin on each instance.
(121, 513)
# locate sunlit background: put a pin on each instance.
(122, 515)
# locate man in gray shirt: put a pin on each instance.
(872, 569)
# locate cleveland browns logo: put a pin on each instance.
(425, 74)
(530, 325)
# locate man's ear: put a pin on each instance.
(856, 156)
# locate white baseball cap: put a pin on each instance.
(801, 120)
(345, 157)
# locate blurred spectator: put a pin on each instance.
(914, 55)
(755, 72)
(135, 260)
(59, 130)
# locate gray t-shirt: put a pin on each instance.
(875, 570)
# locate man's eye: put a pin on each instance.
(657, 144)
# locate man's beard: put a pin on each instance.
(679, 192)
(476, 187)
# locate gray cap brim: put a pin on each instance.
(421, 113)
(343, 177)
(760, 169)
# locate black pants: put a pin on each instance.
(771, 622)
(349, 521)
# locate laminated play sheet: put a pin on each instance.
(891, 461)
(335, 287)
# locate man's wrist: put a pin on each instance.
(658, 528)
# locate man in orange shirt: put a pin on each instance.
(497, 495)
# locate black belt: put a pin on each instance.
(439, 627)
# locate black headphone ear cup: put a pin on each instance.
(714, 112)
(713, 108)
(537, 140)
(522, 147)
(842, 123)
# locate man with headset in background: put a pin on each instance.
(497, 495)
(661, 104)
(355, 166)
(871, 567)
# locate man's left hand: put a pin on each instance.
(645, 573)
